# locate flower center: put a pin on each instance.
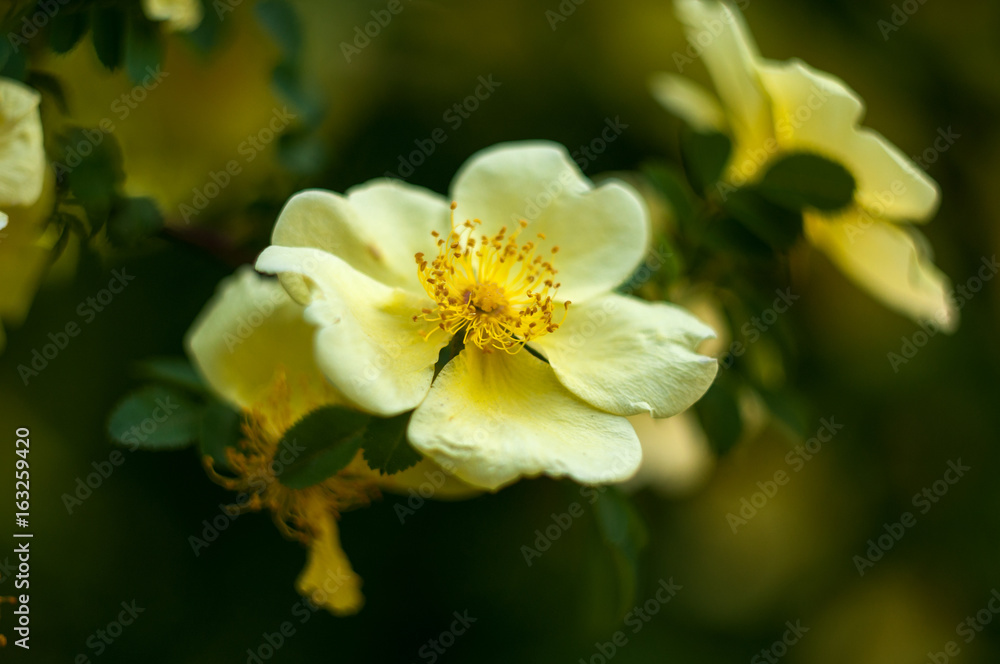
(498, 290)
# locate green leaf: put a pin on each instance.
(49, 84)
(220, 430)
(154, 417)
(174, 371)
(385, 446)
(66, 30)
(805, 180)
(132, 220)
(93, 164)
(143, 48)
(705, 155)
(109, 35)
(777, 226)
(624, 532)
(206, 36)
(278, 17)
(319, 445)
(720, 417)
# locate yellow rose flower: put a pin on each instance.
(254, 348)
(520, 268)
(772, 108)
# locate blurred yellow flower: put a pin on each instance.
(496, 411)
(771, 108)
(255, 350)
(22, 155)
(179, 15)
(22, 177)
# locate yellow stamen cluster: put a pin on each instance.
(258, 462)
(497, 289)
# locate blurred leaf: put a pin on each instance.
(787, 408)
(154, 417)
(719, 413)
(5, 53)
(132, 220)
(301, 153)
(48, 83)
(143, 48)
(705, 155)
(206, 36)
(93, 168)
(385, 446)
(287, 83)
(109, 35)
(66, 29)
(220, 430)
(804, 180)
(175, 371)
(282, 23)
(15, 64)
(670, 182)
(779, 227)
(623, 530)
(320, 445)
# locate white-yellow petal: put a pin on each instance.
(601, 233)
(22, 155)
(328, 579)
(817, 112)
(676, 456)
(377, 229)
(627, 356)
(722, 37)
(494, 417)
(247, 332)
(367, 343)
(179, 15)
(888, 262)
(689, 101)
